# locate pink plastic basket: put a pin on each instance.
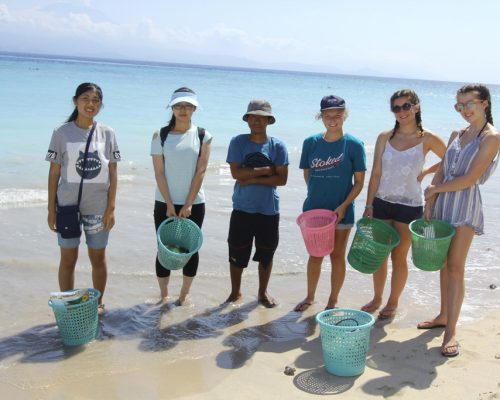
(318, 231)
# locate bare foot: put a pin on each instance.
(232, 298)
(371, 307)
(331, 304)
(100, 310)
(387, 312)
(267, 301)
(186, 301)
(303, 305)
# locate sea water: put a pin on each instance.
(36, 96)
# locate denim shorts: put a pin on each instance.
(397, 212)
(95, 234)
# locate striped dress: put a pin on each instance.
(463, 207)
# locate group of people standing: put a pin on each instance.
(333, 164)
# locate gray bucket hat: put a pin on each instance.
(260, 107)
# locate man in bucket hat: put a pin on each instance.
(259, 163)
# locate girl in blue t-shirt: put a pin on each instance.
(334, 167)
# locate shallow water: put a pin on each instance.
(29, 254)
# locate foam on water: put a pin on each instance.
(12, 197)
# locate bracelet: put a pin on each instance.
(368, 206)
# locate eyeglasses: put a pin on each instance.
(405, 107)
(467, 106)
(180, 106)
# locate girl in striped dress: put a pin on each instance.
(471, 158)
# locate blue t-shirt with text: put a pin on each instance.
(260, 199)
(331, 169)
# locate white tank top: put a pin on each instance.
(400, 169)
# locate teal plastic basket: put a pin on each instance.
(77, 323)
(180, 232)
(372, 243)
(430, 241)
(345, 338)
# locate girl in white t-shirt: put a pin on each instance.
(180, 161)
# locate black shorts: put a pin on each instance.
(243, 228)
(397, 212)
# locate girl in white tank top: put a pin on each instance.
(394, 191)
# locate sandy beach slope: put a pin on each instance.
(238, 351)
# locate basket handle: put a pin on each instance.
(348, 319)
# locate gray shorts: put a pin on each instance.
(95, 235)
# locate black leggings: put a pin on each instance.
(197, 216)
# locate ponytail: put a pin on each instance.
(73, 115)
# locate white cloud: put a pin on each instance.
(221, 38)
(4, 13)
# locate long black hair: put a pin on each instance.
(81, 89)
(412, 96)
(171, 123)
(483, 93)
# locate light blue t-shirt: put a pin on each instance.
(331, 169)
(180, 152)
(261, 199)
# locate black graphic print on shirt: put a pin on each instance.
(92, 167)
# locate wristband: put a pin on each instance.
(368, 206)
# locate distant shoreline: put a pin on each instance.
(164, 64)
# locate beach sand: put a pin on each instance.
(239, 351)
(209, 351)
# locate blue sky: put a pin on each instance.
(428, 39)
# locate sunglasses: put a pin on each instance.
(467, 106)
(405, 107)
(180, 106)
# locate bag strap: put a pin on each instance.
(166, 130)
(85, 162)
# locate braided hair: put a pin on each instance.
(412, 96)
(483, 93)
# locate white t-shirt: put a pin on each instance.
(180, 152)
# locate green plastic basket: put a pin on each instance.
(372, 243)
(430, 241)
(181, 232)
(77, 323)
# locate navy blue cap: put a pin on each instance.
(332, 101)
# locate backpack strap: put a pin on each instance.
(165, 131)
(201, 135)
